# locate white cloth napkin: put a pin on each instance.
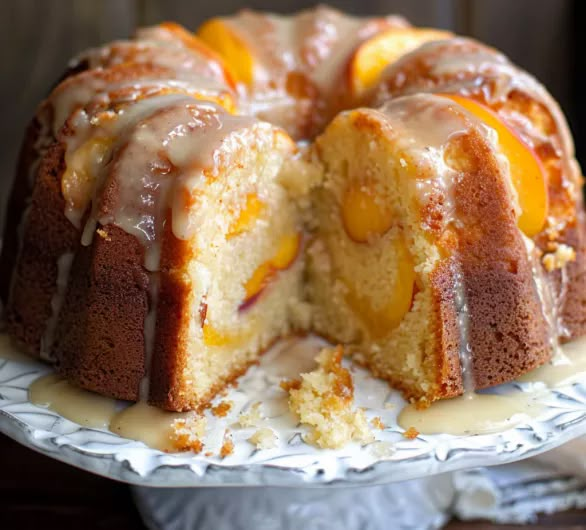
(513, 493)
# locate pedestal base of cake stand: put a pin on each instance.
(416, 504)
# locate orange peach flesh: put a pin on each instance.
(251, 211)
(381, 321)
(374, 55)
(197, 44)
(363, 216)
(527, 174)
(224, 41)
(79, 177)
(284, 257)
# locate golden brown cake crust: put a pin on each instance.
(47, 236)
(173, 315)
(507, 331)
(100, 337)
(548, 134)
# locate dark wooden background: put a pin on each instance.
(37, 37)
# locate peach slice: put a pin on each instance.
(527, 173)
(249, 213)
(218, 35)
(285, 256)
(80, 174)
(363, 215)
(383, 320)
(212, 337)
(197, 44)
(260, 278)
(287, 252)
(375, 54)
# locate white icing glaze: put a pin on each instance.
(485, 413)
(425, 147)
(166, 149)
(80, 406)
(63, 267)
(140, 421)
(150, 425)
(114, 127)
(471, 414)
(316, 42)
(466, 415)
(567, 366)
(469, 67)
(150, 322)
(9, 352)
(551, 305)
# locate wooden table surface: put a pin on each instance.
(37, 492)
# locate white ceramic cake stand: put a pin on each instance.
(292, 463)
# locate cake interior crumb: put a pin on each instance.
(264, 438)
(187, 433)
(324, 400)
(222, 409)
(252, 417)
(411, 433)
(227, 446)
(377, 423)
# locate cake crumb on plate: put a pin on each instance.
(222, 409)
(324, 400)
(228, 446)
(411, 433)
(264, 438)
(187, 433)
(252, 417)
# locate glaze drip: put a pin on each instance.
(424, 151)
(63, 268)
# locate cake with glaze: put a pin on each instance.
(164, 227)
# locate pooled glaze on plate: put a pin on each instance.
(391, 457)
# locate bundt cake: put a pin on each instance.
(164, 228)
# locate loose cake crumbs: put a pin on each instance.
(264, 438)
(228, 446)
(559, 258)
(324, 400)
(103, 234)
(252, 417)
(382, 449)
(411, 433)
(377, 423)
(222, 409)
(187, 433)
(290, 384)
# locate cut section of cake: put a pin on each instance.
(187, 254)
(417, 262)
